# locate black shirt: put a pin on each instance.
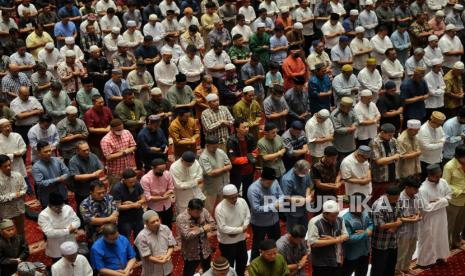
(120, 192)
(388, 103)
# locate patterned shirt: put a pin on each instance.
(91, 208)
(415, 30)
(453, 86)
(74, 84)
(383, 173)
(111, 144)
(325, 174)
(383, 212)
(211, 122)
(12, 84)
(65, 127)
(194, 243)
(10, 187)
(408, 206)
(239, 52)
(408, 144)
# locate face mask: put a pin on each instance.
(295, 55)
(167, 62)
(158, 173)
(118, 133)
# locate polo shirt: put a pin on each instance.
(111, 256)
(79, 165)
(122, 193)
(95, 119)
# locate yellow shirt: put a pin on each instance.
(33, 39)
(455, 177)
(453, 86)
(252, 114)
(178, 131)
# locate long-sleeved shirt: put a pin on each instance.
(360, 45)
(11, 249)
(358, 244)
(80, 267)
(46, 176)
(262, 210)
(453, 131)
(185, 180)
(436, 89)
(55, 106)
(430, 54)
(230, 220)
(411, 63)
(380, 45)
(56, 228)
(369, 21)
(11, 145)
(36, 134)
(370, 80)
(392, 70)
(157, 31)
(455, 177)
(192, 68)
(12, 190)
(342, 86)
(431, 143)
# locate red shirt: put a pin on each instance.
(112, 143)
(96, 119)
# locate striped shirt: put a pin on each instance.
(211, 123)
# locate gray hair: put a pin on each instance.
(301, 165)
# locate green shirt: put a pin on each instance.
(266, 147)
(84, 99)
(131, 117)
(176, 96)
(239, 53)
(256, 46)
(260, 267)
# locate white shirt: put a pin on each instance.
(379, 47)
(447, 44)
(351, 168)
(55, 227)
(392, 70)
(315, 130)
(106, 23)
(245, 31)
(84, 24)
(165, 75)
(431, 143)
(102, 6)
(337, 8)
(51, 59)
(357, 46)
(157, 31)
(369, 21)
(11, 145)
(192, 68)
(366, 112)
(134, 39)
(111, 45)
(164, 7)
(185, 182)
(32, 10)
(370, 80)
(211, 60)
(430, 54)
(327, 28)
(248, 13)
(80, 267)
(300, 15)
(19, 106)
(77, 51)
(271, 9)
(230, 219)
(185, 22)
(176, 51)
(436, 88)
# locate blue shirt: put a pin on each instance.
(147, 139)
(78, 165)
(46, 176)
(112, 89)
(410, 89)
(400, 41)
(317, 86)
(192, 4)
(453, 130)
(146, 52)
(294, 185)
(358, 244)
(276, 42)
(111, 256)
(65, 31)
(262, 212)
(64, 12)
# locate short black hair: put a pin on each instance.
(239, 121)
(461, 113)
(191, 48)
(236, 37)
(96, 184)
(41, 144)
(3, 159)
(460, 151)
(393, 190)
(410, 181)
(270, 126)
(298, 231)
(129, 173)
(56, 86)
(45, 118)
(96, 97)
(217, 45)
(109, 229)
(278, 89)
(267, 244)
(87, 80)
(55, 199)
(115, 122)
(128, 92)
(195, 204)
(193, 28)
(210, 5)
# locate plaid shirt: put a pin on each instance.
(383, 212)
(12, 84)
(111, 143)
(211, 123)
(380, 173)
(99, 209)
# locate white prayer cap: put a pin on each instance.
(4, 121)
(284, 9)
(68, 248)
(166, 51)
(248, 89)
(229, 66)
(261, 25)
(330, 206)
(153, 17)
(433, 38)
(359, 29)
(353, 12)
(323, 114)
(436, 61)
(458, 65)
(49, 45)
(131, 23)
(122, 43)
(155, 91)
(440, 13)
(418, 51)
(368, 2)
(211, 97)
(115, 30)
(71, 109)
(93, 48)
(298, 26)
(450, 27)
(413, 124)
(366, 93)
(69, 40)
(458, 7)
(70, 53)
(229, 189)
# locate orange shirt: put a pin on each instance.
(200, 93)
(293, 67)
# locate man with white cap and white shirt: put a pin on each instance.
(110, 41)
(12, 145)
(436, 88)
(431, 138)
(325, 235)
(368, 116)
(132, 36)
(409, 149)
(451, 46)
(432, 51)
(51, 56)
(368, 19)
(391, 68)
(356, 173)
(232, 219)
(361, 49)
(156, 30)
(165, 71)
(380, 43)
(70, 45)
(72, 263)
(71, 130)
(320, 134)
